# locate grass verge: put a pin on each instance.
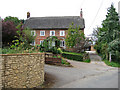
(113, 64)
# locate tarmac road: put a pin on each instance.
(83, 75)
(105, 80)
(86, 76)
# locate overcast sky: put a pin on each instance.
(94, 11)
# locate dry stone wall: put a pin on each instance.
(22, 70)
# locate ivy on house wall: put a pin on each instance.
(48, 43)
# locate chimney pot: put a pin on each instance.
(28, 14)
(81, 13)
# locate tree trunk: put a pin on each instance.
(110, 57)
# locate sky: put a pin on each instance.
(94, 11)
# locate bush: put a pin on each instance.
(14, 51)
(8, 51)
(71, 56)
(59, 50)
(65, 62)
(54, 50)
(87, 60)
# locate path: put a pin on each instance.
(95, 59)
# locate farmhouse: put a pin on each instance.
(44, 27)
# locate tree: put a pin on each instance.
(75, 38)
(24, 36)
(8, 32)
(108, 36)
(15, 20)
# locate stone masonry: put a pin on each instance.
(22, 70)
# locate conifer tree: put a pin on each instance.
(109, 36)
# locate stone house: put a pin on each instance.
(44, 27)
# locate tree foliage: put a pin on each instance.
(9, 28)
(108, 36)
(75, 38)
(15, 20)
(8, 32)
(24, 36)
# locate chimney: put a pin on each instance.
(28, 14)
(81, 13)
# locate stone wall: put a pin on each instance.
(22, 70)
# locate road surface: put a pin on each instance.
(104, 80)
(82, 75)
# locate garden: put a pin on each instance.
(16, 39)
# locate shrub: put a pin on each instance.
(65, 62)
(59, 50)
(77, 57)
(8, 51)
(87, 60)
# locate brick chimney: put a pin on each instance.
(81, 13)
(28, 14)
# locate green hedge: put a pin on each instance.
(77, 57)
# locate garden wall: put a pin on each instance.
(22, 70)
(50, 59)
(53, 61)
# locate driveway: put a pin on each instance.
(72, 76)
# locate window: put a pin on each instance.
(62, 43)
(52, 33)
(33, 43)
(42, 33)
(62, 33)
(33, 32)
(53, 43)
(41, 42)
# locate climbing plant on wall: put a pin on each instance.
(51, 43)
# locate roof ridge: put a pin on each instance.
(53, 17)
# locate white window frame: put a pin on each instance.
(33, 43)
(41, 33)
(41, 42)
(62, 32)
(61, 43)
(53, 43)
(34, 32)
(51, 33)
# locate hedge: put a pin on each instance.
(73, 56)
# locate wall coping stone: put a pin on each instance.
(21, 54)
